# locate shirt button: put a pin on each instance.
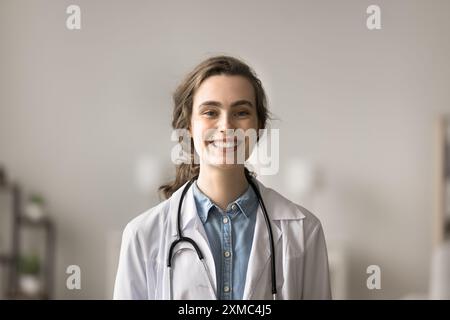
(225, 220)
(233, 206)
(227, 254)
(226, 289)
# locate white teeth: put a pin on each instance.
(221, 144)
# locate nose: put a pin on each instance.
(225, 123)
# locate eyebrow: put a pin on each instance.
(212, 103)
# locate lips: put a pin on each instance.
(221, 144)
(224, 143)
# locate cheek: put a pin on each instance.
(197, 135)
(251, 125)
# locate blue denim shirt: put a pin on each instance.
(230, 236)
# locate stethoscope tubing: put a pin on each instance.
(181, 238)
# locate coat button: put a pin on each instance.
(225, 220)
(234, 206)
(227, 254)
(226, 289)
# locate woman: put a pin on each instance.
(220, 211)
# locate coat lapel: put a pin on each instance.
(259, 260)
(192, 227)
(259, 265)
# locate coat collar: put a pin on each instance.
(278, 207)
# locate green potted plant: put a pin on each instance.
(35, 207)
(29, 269)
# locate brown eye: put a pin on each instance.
(210, 113)
(243, 113)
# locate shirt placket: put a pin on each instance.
(227, 257)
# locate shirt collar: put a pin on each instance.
(203, 203)
(247, 202)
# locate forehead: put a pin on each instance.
(224, 88)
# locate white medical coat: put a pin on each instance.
(300, 251)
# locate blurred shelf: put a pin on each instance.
(43, 222)
(11, 259)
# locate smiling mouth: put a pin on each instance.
(224, 144)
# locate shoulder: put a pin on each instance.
(154, 221)
(283, 208)
(311, 224)
(149, 222)
(312, 227)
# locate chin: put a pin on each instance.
(224, 166)
(225, 161)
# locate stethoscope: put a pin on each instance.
(181, 238)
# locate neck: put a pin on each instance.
(222, 186)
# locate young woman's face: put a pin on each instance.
(223, 108)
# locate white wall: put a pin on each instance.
(78, 109)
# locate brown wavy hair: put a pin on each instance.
(183, 103)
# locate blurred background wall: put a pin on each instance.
(85, 119)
